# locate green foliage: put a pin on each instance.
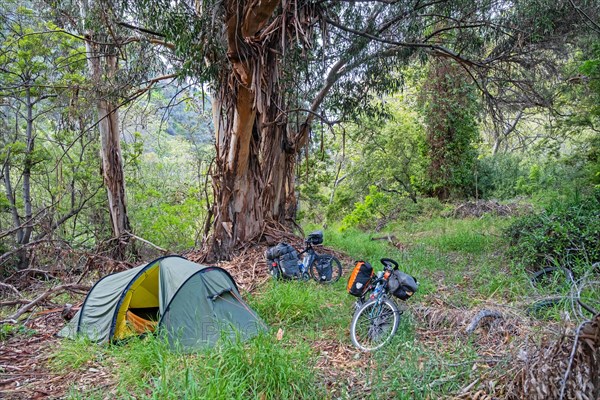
(450, 110)
(381, 165)
(311, 200)
(464, 241)
(564, 233)
(589, 66)
(379, 209)
(375, 205)
(8, 330)
(165, 200)
(50, 159)
(420, 369)
(76, 354)
(299, 305)
(505, 176)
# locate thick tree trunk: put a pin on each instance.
(254, 169)
(255, 178)
(254, 173)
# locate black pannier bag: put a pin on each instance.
(402, 285)
(286, 257)
(324, 268)
(315, 237)
(360, 278)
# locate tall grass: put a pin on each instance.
(305, 309)
(465, 253)
(262, 368)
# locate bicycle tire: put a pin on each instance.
(537, 278)
(374, 324)
(336, 268)
(539, 307)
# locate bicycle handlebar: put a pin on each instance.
(388, 263)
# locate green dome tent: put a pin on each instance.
(194, 304)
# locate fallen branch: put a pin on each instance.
(148, 243)
(32, 271)
(389, 238)
(11, 288)
(14, 302)
(43, 297)
(481, 315)
(64, 311)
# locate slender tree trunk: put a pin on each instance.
(13, 206)
(103, 64)
(27, 170)
(112, 167)
(500, 137)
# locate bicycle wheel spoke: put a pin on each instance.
(374, 324)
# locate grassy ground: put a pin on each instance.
(308, 354)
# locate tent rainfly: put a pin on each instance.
(194, 304)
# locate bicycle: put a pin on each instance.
(377, 315)
(323, 268)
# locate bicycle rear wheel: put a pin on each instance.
(374, 324)
(326, 269)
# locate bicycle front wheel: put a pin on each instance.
(374, 324)
(326, 269)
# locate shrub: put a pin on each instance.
(505, 176)
(563, 233)
(365, 213)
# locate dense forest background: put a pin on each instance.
(429, 133)
(130, 130)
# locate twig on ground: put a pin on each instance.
(11, 288)
(34, 271)
(44, 296)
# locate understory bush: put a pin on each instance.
(506, 176)
(563, 233)
(379, 208)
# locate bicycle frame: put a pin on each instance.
(377, 315)
(383, 293)
(324, 268)
(309, 256)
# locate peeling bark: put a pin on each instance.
(253, 174)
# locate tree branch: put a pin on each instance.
(42, 297)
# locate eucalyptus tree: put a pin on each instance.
(102, 56)
(122, 66)
(274, 67)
